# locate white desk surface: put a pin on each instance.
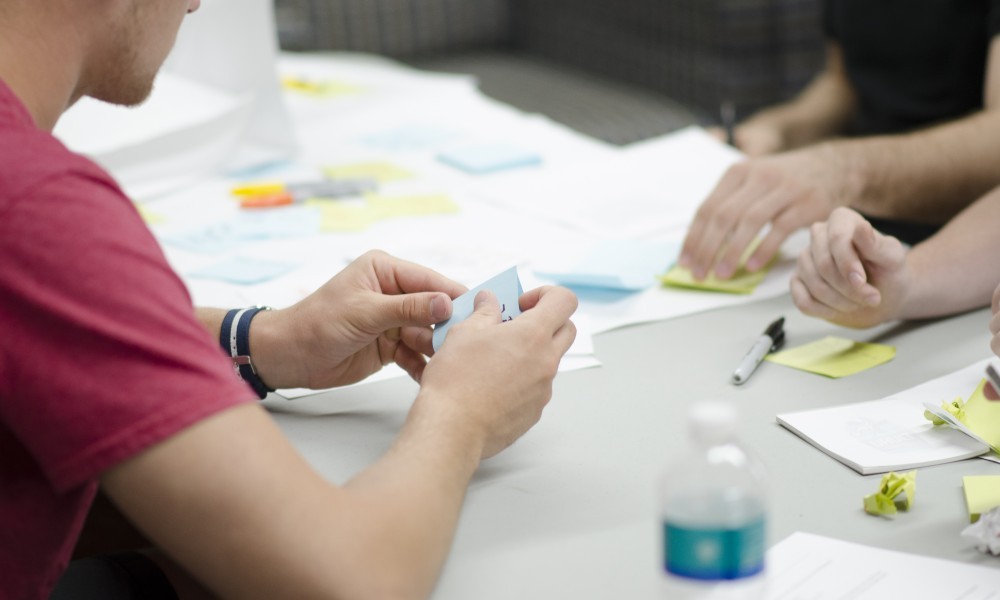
(569, 511)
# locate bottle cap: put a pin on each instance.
(713, 421)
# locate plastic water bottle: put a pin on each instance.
(713, 513)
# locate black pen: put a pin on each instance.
(727, 113)
(772, 339)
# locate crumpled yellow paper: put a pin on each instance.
(895, 493)
(956, 407)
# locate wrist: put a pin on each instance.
(435, 417)
(234, 338)
(274, 351)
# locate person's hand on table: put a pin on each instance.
(496, 377)
(786, 191)
(753, 138)
(378, 310)
(851, 274)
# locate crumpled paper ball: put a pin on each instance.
(986, 532)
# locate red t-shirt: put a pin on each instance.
(101, 355)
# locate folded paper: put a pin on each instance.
(506, 287)
(834, 357)
(895, 493)
(978, 417)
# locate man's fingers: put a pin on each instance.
(548, 306)
(420, 339)
(876, 248)
(398, 276)
(811, 275)
(420, 309)
(701, 238)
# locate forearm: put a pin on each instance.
(927, 176)
(238, 508)
(954, 270)
(410, 501)
(819, 112)
(822, 110)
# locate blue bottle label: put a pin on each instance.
(714, 554)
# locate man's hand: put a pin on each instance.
(378, 310)
(754, 138)
(787, 191)
(851, 274)
(495, 378)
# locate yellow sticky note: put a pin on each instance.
(409, 206)
(150, 217)
(982, 416)
(834, 357)
(982, 492)
(379, 171)
(742, 281)
(319, 88)
(344, 216)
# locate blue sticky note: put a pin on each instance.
(244, 271)
(625, 265)
(264, 224)
(506, 287)
(212, 239)
(487, 158)
(409, 137)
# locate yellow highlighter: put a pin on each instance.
(270, 194)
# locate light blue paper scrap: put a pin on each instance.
(506, 287)
(291, 221)
(409, 137)
(627, 265)
(487, 158)
(243, 271)
(213, 239)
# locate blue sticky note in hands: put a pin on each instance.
(244, 271)
(487, 158)
(506, 287)
(624, 265)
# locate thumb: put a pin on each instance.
(418, 310)
(878, 249)
(486, 309)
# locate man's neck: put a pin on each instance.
(41, 63)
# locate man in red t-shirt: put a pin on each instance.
(112, 386)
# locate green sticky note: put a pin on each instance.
(742, 282)
(834, 357)
(412, 206)
(379, 171)
(982, 416)
(982, 492)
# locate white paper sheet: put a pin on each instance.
(807, 566)
(892, 434)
